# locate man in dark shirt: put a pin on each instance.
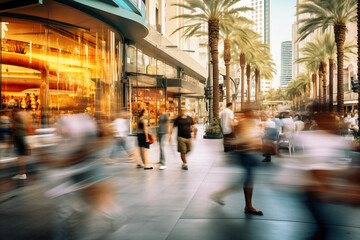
(185, 125)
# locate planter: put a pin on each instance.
(213, 136)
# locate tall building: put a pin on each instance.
(286, 63)
(260, 16)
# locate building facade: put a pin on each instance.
(286, 63)
(101, 57)
(260, 16)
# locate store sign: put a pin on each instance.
(10, 4)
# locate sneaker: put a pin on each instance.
(20, 176)
(163, 167)
(184, 167)
(216, 198)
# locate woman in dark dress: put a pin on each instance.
(143, 138)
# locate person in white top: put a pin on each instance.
(121, 129)
(352, 124)
(270, 136)
(226, 124)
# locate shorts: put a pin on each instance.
(20, 146)
(184, 144)
(142, 141)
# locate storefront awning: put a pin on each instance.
(177, 85)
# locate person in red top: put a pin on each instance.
(185, 125)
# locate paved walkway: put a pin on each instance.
(174, 204)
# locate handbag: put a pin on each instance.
(151, 138)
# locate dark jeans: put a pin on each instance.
(227, 138)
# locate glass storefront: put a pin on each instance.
(51, 69)
(147, 90)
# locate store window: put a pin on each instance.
(51, 70)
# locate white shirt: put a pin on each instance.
(288, 124)
(226, 116)
(121, 127)
(270, 124)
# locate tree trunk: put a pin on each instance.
(340, 36)
(358, 42)
(248, 74)
(324, 67)
(227, 58)
(331, 84)
(314, 79)
(319, 85)
(257, 84)
(214, 45)
(242, 65)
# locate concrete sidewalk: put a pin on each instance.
(174, 204)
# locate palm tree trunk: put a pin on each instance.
(324, 66)
(340, 36)
(248, 73)
(319, 85)
(227, 58)
(358, 42)
(214, 45)
(314, 80)
(331, 84)
(242, 65)
(257, 84)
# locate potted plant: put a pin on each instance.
(213, 130)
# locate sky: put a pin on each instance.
(282, 17)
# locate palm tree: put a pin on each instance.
(327, 13)
(260, 61)
(313, 69)
(265, 66)
(212, 13)
(328, 41)
(295, 90)
(231, 28)
(245, 49)
(315, 55)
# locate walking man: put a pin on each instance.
(162, 131)
(185, 125)
(227, 123)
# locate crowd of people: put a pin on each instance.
(319, 143)
(75, 163)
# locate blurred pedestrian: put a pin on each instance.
(185, 125)
(74, 169)
(248, 146)
(325, 160)
(163, 129)
(270, 137)
(143, 139)
(19, 132)
(121, 129)
(226, 124)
